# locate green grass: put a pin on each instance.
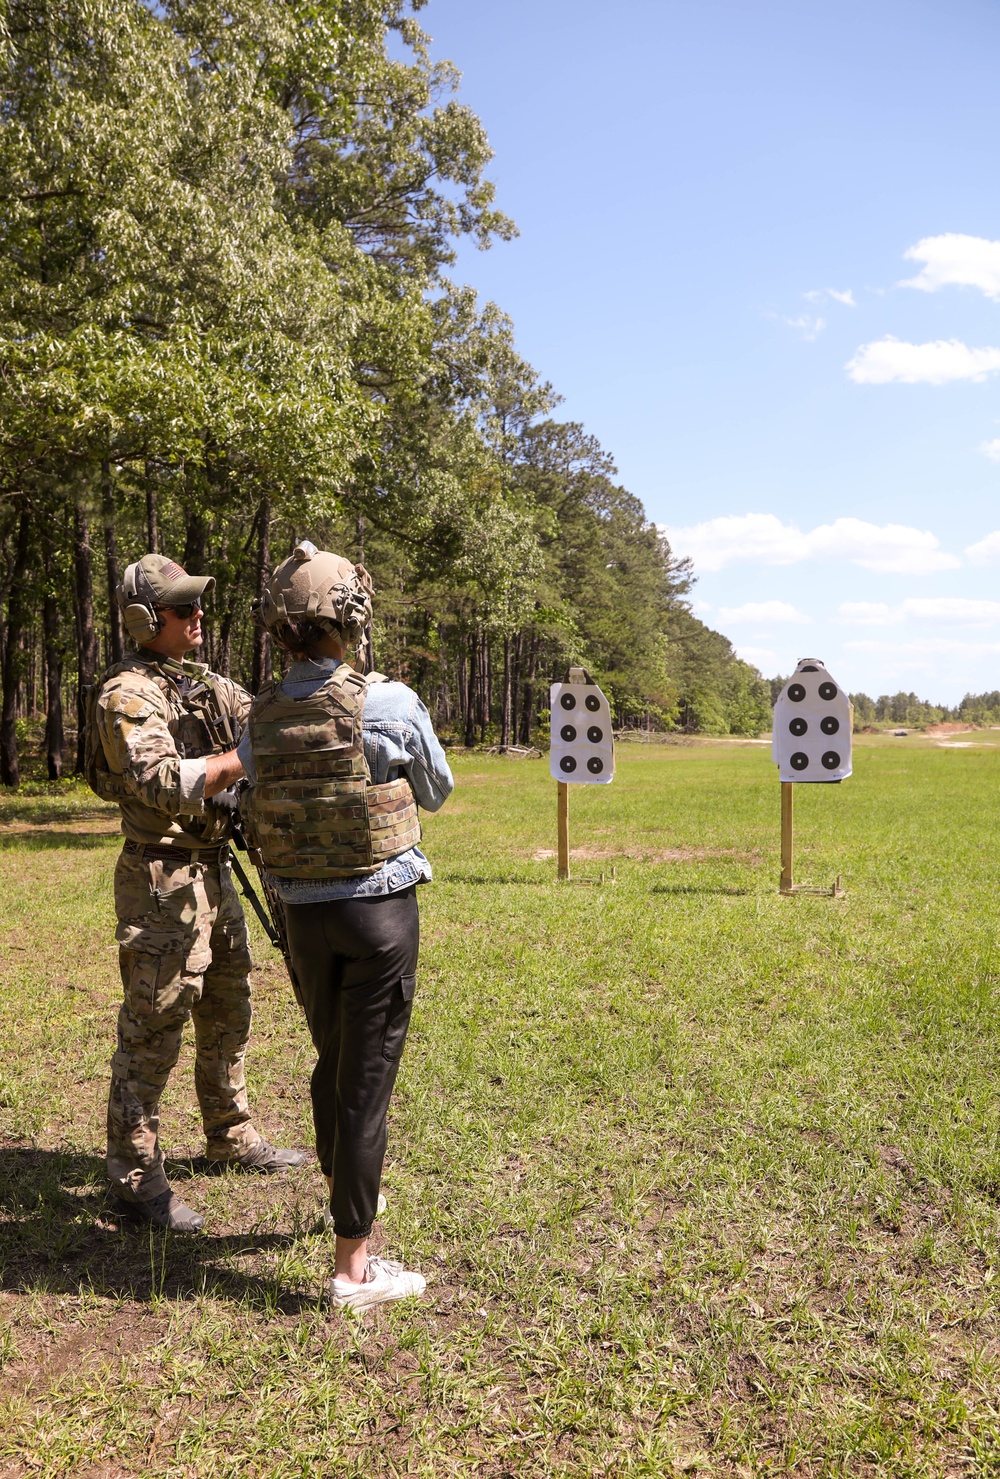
(703, 1179)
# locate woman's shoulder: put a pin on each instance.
(386, 699)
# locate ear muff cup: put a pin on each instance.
(141, 622)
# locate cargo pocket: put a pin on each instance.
(399, 1018)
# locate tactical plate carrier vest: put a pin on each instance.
(313, 812)
(198, 719)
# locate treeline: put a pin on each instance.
(907, 709)
(226, 323)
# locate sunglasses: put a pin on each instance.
(186, 611)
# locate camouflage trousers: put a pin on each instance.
(183, 951)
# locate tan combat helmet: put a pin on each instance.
(316, 585)
(156, 581)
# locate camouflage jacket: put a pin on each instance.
(152, 740)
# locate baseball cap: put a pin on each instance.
(163, 582)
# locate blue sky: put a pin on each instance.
(721, 205)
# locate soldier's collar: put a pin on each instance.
(170, 667)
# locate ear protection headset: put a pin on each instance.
(141, 619)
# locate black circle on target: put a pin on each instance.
(567, 733)
(595, 735)
(568, 701)
(831, 760)
(796, 692)
(593, 702)
(798, 727)
(828, 691)
(567, 763)
(829, 725)
(799, 761)
(595, 765)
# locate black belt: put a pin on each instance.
(146, 852)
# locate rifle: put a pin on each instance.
(273, 918)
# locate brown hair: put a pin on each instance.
(302, 638)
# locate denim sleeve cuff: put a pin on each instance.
(192, 786)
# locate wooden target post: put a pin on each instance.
(787, 885)
(563, 811)
(813, 724)
(582, 751)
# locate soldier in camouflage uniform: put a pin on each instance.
(161, 742)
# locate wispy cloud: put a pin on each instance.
(937, 363)
(807, 324)
(954, 260)
(763, 539)
(991, 449)
(957, 610)
(758, 657)
(818, 294)
(762, 613)
(926, 656)
(985, 551)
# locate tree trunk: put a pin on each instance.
(472, 690)
(152, 526)
(10, 772)
(262, 637)
(196, 536)
(515, 688)
(86, 638)
(485, 687)
(528, 710)
(117, 642)
(505, 697)
(462, 683)
(55, 740)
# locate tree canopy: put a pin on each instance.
(226, 321)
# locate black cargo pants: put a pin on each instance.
(356, 964)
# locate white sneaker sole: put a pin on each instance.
(403, 1286)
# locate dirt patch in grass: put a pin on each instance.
(949, 726)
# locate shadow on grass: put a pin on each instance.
(15, 808)
(59, 1234)
(41, 840)
(701, 888)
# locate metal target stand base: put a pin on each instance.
(785, 886)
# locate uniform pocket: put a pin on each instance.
(399, 1018)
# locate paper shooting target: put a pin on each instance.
(813, 720)
(582, 747)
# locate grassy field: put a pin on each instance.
(703, 1179)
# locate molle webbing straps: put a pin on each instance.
(313, 812)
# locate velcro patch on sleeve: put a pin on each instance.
(129, 706)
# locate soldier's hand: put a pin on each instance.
(225, 802)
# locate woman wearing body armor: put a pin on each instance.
(338, 763)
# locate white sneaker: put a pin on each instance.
(327, 1216)
(384, 1281)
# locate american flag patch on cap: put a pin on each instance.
(171, 569)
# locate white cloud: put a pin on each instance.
(762, 611)
(918, 656)
(991, 449)
(846, 297)
(936, 363)
(765, 540)
(866, 613)
(985, 551)
(920, 608)
(758, 657)
(808, 326)
(954, 260)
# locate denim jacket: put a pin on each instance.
(398, 739)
